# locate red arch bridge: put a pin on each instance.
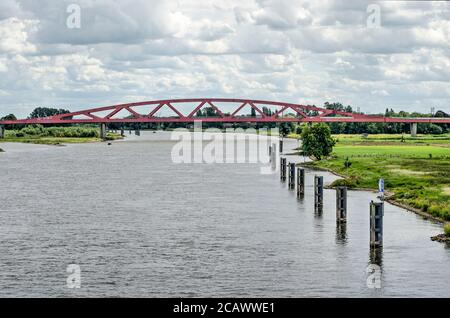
(220, 110)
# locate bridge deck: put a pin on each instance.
(298, 113)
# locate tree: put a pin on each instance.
(317, 141)
(41, 112)
(9, 117)
(334, 106)
(286, 128)
(12, 117)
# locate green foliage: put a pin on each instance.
(286, 128)
(317, 141)
(447, 229)
(347, 182)
(347, 163)
(38, 131)
(390, 128)
(414, 178)
(41, 112)
(207, 112)
(9, 117)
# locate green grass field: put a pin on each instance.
(417, 174)
(403, 151)
(443, 139)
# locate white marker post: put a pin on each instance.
(381, 188)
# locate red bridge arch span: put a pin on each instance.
(302, 113)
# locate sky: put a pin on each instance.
(367, 54)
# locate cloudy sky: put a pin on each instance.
(286, 50)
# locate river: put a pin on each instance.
(138, 224)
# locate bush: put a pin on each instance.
(58, 132)
(348, 182)
(447, 229)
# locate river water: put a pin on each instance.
(138, 224)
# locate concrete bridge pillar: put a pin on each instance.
(413, 129)
(103, 131)
(2, 131)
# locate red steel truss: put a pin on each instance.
(285, 112)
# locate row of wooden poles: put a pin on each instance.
(289, 171)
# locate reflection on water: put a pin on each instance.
(341, 233)
(318, 210)
(139, 225)
(376, 256)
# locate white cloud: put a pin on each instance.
(14, 36)
(299, 51)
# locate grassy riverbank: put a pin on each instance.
(416, 171)
(56, 135)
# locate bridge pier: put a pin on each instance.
(413, 129)
(137, 132)
(2, 131)
(103, 130)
